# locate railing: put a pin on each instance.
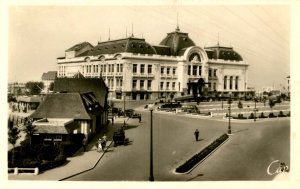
(17, 170)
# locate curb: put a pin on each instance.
(89, 168)
(174, 171)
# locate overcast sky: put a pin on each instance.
(40, 34)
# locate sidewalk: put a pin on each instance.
(80, 162)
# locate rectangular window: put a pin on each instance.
(117, 82)
(200, 70)
(209, 72)
(121, 67)
(118, 67)
(142, 84)
(149, 84)
(109, 68)
(215, 86)
(194, 70)
(133, 84)
(149, 69)
(225, 82)
(142, 69)
(189, 70)
(215, 72)
(162, 70)
(174, 71)
(104, 68)
(112, 68)
(173, 86)
(121, 82)
(161, 85)
(134, 68)
(168, 71)
(168, 85)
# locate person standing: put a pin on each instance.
(84, 143)
(99, 147)
(196, 133)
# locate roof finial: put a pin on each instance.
(218, 40)
(177, 28)
(132, 30)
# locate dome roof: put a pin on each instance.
(225, 53)
(176, 41)
(131, 45)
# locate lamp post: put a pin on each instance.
(151, 177)
(124, 101)
(229, 114)
(255, 99)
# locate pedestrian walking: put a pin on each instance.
(99, 146)
(84, 143)
(196, 133)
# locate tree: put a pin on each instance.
(240, 106)
(51, 86)
(29, 130)
(34, 87)
(13, 136)
(271, 104)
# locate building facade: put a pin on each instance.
(135, 70)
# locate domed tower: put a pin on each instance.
(177, 41)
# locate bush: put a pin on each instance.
(189, 164)
(281, 114)
(262, 115)
(252, 116)
(271, 115)
(46, 151)
(68, 148)
(59, 160)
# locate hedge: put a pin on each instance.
(189, 164)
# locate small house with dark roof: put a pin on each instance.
(86, 85)
(28, 103)
(135, 70)
(68, 113)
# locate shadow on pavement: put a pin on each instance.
(127, 127)
(237, 131)
(198, 175)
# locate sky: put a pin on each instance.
(37, 35)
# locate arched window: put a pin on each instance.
(230, 82)
(237, 82)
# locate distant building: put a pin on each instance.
(16, 88)
(47, 79)
(134, 69)
(28, 103)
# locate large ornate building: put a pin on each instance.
(134, 69)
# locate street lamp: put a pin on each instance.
(124, 101)
(151, 177)
(255, 100)
(229, 114)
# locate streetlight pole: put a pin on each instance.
(229, 114)
(151, 177)
(254, 108)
